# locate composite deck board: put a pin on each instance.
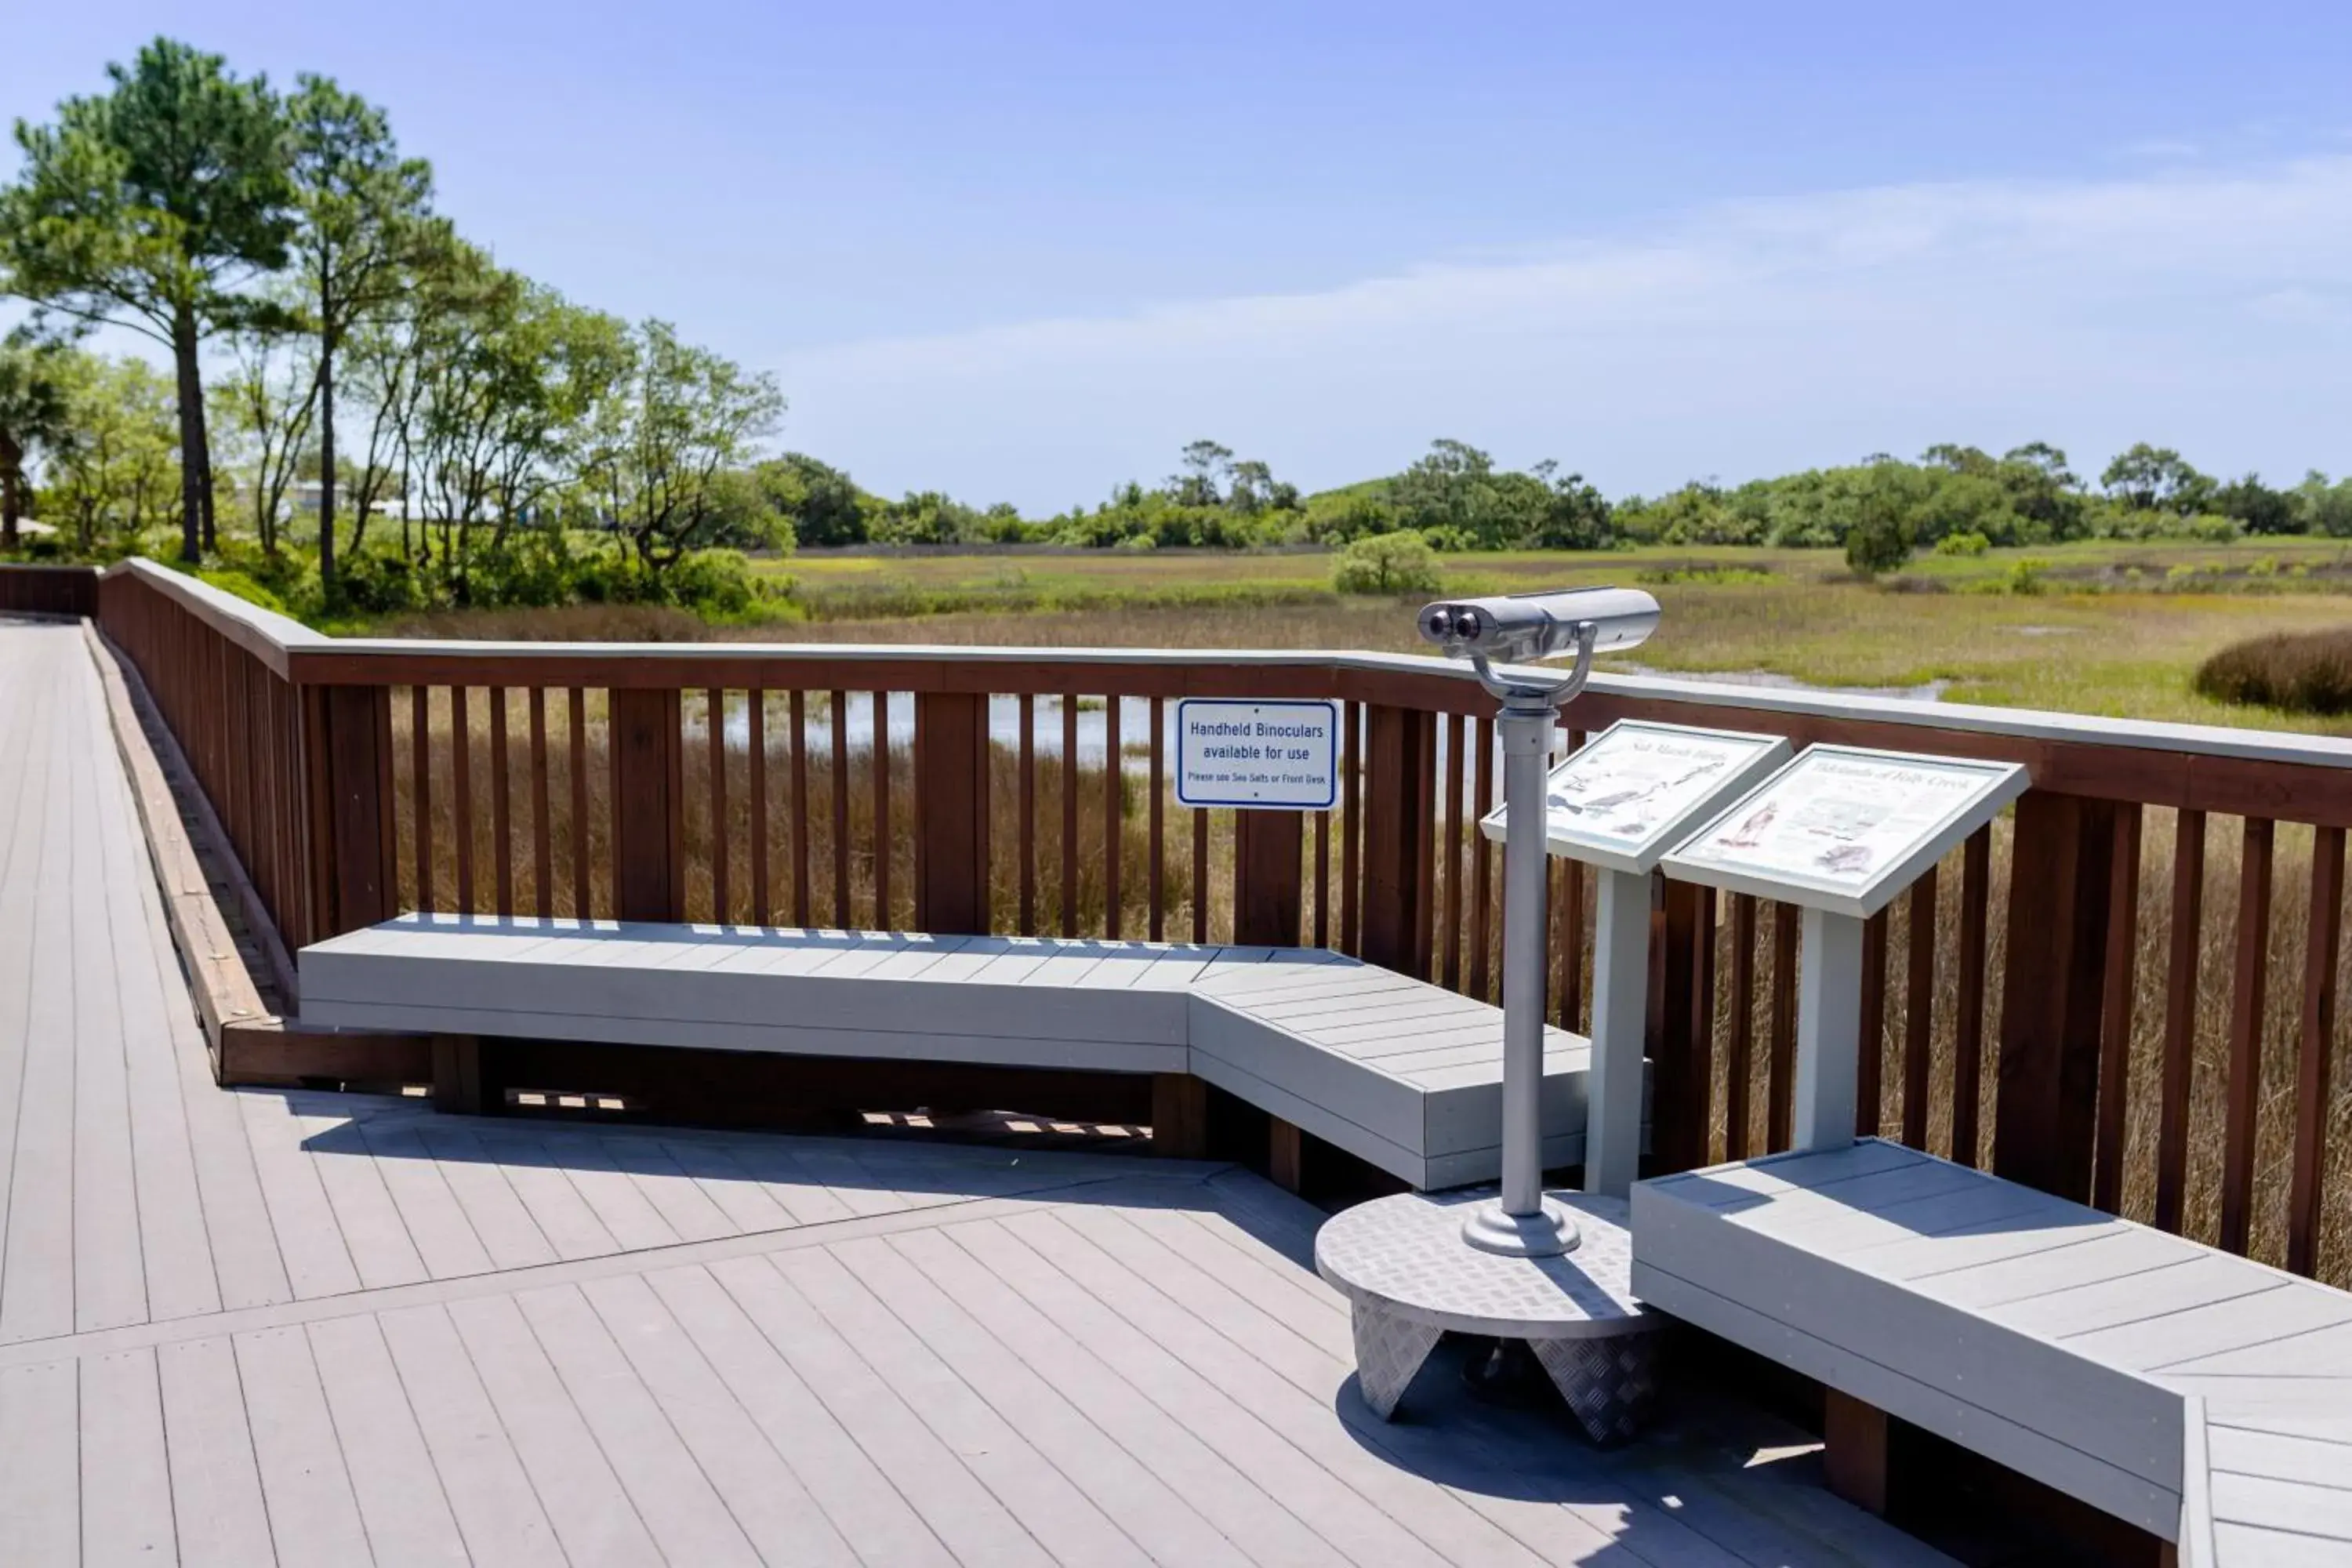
(256, 1326)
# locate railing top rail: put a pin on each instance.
(305, 655)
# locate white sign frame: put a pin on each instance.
(1254, 711)
(1638, 857)
(1995, 786)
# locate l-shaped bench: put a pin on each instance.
(1402, 1073)
(2202, 1396)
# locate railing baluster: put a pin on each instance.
(1783, 1038)
(800, 809)
(1968, 1027)
(1114, 815)
(1426, 872)
(1482, 853)
(1069, 815)
(1735, 1065)
(2187, 947)
(2244, 1101)
(881, 752)
(2115, 1013)
(1351, 813)
(461, 790)
(1028, 846)
(1869, 1057)
(755, 751)
(1919, 1010)
(1159, 817)
(1323, 878)
(2308, 1184)
(840, 716)
(420, 762)
(542, 856)
(722, 849)
(501, 804)
(1456, 727)
(575, 702)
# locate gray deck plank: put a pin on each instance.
(2133, 1298)
(548, 1195)
(2279, 1456)
(313, 1515)
(680, 1509)
(24, 784)
(976, 1524)
(40, 1480)
(1158, 1520)
(1226, 1494)
(310, 1236)
(489, 1493)
(495, 1212)
(446, 1242)
(2246, 1546)
(2325, 1511)
(1226, 1420)
(376, 1233)
(223, 1519)
(1056, 1513)
(401, 1501)
(37, 1267)
(174, 1236)
(769, 1504)
(594, 1518)
(126, 1479)
(2198, 1333)
(681, 1201)
(110, 1265)
(855, 1491)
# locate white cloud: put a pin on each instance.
(2205, 310)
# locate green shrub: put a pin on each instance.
(1963, 544)
(715, 583)
(1386, 564)
(2025, 576)
(244, 587)
(2306, 672)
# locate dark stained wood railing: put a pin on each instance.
(27, 590)
(2108, 993)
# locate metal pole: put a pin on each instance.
(1522, 1223)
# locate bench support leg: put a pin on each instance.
(1853, 1452)
(1282, 1153)
(1179, 1116)
(457, 1074)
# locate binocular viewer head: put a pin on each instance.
(1516, 628)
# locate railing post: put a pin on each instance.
(348, 758)
(2045, 1113)
(648, 805)
(952, 811)
(1267, 880)
(1400, 825)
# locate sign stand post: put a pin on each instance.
(1828, 1028)
(1620, 1006)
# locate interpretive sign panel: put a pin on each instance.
(1276, 756)
(1634, 790)
(1843, 830)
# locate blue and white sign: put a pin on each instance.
(1269, 756)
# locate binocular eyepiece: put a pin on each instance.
(1520, 626)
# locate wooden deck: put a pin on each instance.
(249, 1326)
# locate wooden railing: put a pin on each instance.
(2125, 992)
(49, 590)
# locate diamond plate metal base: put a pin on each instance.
(1389, 1350)
(1609, 1384)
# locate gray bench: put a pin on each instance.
(2062, 1343)
(1404, 1074)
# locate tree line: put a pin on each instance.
(329, 332)
(467, 435)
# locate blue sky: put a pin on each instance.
(1026, 251)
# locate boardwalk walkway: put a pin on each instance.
(253, 1327)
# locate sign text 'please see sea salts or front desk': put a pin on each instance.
(1279, 756)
